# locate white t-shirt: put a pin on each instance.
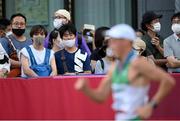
(2, 54)
(99, 69)
(39, 56)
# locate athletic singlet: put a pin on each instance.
(127, 98)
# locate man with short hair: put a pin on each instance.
(154, 42)
(172, 44)
(4, 22)
(15, 42)
(71, 59)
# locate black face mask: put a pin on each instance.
(18, 32)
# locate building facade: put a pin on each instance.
(96, 12)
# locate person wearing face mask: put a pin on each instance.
(60, 18)
(89, 37)
(15, 42)
(99, 39)
(71, 60)
(154, 42)
(37, 60)
(139, 46)
(172, 44)
(55, 41)
(5, 27)
(103, 65)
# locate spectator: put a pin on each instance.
(140, 48)
(154, 42)
(71, 59)
(172, 44)
(7, 26)
(4, 63)
(88, 34)
(98, 40)
(103, 65)
(37, 60)
(15, 42)
(62, 17)
(55, 41)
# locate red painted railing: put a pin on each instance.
(56, 98)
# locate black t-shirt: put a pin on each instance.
(76, 62)
(97, 54)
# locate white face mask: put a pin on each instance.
(8, 33)
(69, 43)
(57, 23)
(109, 52)
(59, 43)
(157, 27)
(176, 28)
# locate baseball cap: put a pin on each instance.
(149, 16)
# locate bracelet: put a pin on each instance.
(153, 104)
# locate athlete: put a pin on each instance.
(129, 79)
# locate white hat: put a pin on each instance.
(64, 13)
(122, 31)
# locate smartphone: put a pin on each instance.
(89, 27)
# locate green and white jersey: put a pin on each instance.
(127, 98)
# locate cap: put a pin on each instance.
(149, 16)
(139, 44)
(121, 31)
(63, 12)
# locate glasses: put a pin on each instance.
(59, 17)
(17, 24)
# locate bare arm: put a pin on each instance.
(154, 73)
(15, 63)
(25, 66)
(93, 64)
(158, 62)
(173, 62)
(99, 94)
(53, 66)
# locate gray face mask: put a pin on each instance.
(38, 40)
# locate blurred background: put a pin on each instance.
(96, 12)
